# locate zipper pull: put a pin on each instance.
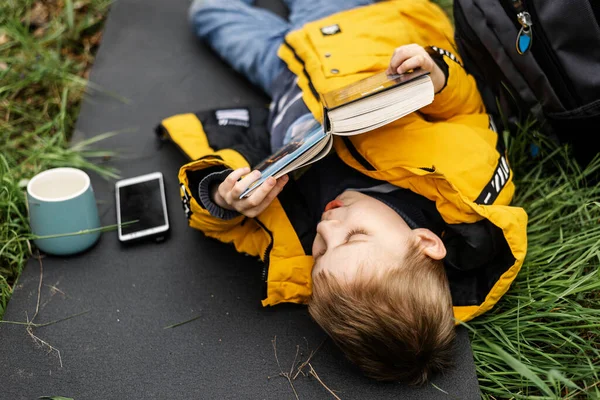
(525, 35)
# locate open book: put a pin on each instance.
(351, 110)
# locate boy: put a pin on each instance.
(413, 227)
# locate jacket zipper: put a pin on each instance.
(266, 259)
(357, 156)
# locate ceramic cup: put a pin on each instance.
(62, 201)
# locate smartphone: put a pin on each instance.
(142, 208)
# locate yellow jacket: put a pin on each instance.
(445, 152)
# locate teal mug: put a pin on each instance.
(61, 201)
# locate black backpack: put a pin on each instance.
(539, 58)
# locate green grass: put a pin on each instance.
(540, 341)
(543, 337)
(45, 54)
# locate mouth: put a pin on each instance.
(333, 204)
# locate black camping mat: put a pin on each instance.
(180, 319)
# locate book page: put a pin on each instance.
(383, 99)
(289, 157)
(363, 116)
(319, 151)
(369, 86)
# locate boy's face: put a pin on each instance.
(356, 228)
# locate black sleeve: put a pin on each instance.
(204, 189)
(438, 58)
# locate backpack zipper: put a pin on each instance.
(525, 36)
(469, 42)
(546, 57)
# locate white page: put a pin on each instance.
(364, 122)
(382, 99)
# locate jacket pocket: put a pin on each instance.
(352, 50)
(339, 63)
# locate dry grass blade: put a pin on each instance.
(286, 375)
(314, 373)
(310, 356)
(291, 376)
(182, 323)
(30, 324)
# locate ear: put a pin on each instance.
(430, 243)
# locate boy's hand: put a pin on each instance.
(412, 56)
(227, 194)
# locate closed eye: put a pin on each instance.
(356, 231)
(353, 232)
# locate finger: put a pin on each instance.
(277, 189)
(411, 63)
(266, 189)
(232, 179)
(256, 198)
(271, 195)
(397, 59)
(403, 53)
(244, 183)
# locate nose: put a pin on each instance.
(331, 231)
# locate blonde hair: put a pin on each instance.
(396, 325)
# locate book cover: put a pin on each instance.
(367, 87)
(291, 156)
(311, 143)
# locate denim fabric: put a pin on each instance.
(248, 37)
(303, 11)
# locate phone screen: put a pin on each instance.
(141, 201)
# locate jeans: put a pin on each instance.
(249, 37)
